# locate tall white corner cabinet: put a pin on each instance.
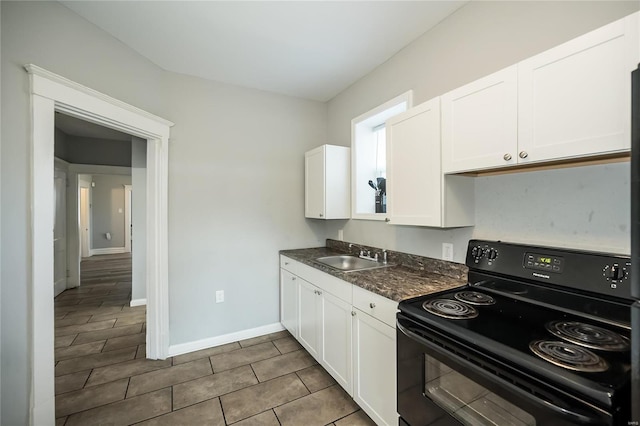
(348, 330)
(327, 188)
(569, 102)
(417, 191)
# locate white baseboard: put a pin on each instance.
(210, 342)
(107, 250)
(138, 302)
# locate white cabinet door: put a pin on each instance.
(375, 368)
(309, 317)
(574, 99)
(314, 184)
(414, 178)
(336, 340)
(479, 123)
(327, 190)
(289, 301)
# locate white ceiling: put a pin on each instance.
(307, 49)
(76, 127)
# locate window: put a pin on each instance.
(369, 157)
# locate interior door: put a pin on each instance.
(84, 220)
(60, 232)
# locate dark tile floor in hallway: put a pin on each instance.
(102, 376)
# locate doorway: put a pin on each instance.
(60, 231)
(50, 93)
(85, 217)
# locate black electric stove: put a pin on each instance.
(541, 329)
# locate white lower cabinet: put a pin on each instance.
(374, 367)
(310, 320)
(289, 301)
(336, 339)
(349, 331)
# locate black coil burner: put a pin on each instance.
(589, 336)
(450, 308)
(570, 356)
(474, 298)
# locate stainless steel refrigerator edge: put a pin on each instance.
(635, 244)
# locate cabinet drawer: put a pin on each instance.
(324, 281)
(288, 264)
(375, 305)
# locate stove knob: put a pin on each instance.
(493, 253)
(614, 272)
(474, 251)
(617, 273)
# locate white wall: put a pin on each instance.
(478, 39)
(51, 36)
(235, 181)
(236, 196)
(139, 218)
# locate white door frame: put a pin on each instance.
(50, 93)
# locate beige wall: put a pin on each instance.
(480, 38)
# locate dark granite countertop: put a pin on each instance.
(412, 276)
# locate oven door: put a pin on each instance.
(444, 382)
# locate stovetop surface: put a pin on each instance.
(532, 287)
(506, 328)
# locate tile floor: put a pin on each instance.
(102, 376)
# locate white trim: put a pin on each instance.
(211, 342)
(138, 302)
(96, 169)
(41, 271)
(51, 93)
(107, 250)
(371, 119)
(52, 77)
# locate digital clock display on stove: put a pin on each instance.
(543, 262)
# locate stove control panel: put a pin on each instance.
(544, 262)
(484, 253)
(603, 273)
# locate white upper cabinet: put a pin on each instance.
(479, 123)
(417, 192)
(327, 183)
(569, 102)
(574, 100)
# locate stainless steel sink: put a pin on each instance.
(347, 263)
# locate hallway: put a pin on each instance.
(102, 376)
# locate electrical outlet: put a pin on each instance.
(219, 296)
(340, 234)
(447, 251)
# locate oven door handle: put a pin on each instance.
(581, 417)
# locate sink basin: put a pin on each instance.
(347, 263)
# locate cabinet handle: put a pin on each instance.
(507, 157)
(353, 313)
(320, 214)
(286, 263)
(293, 278)
(372, 305)
(523, 154)
(319, 293)
(386, 219)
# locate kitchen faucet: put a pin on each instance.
(368, 254)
